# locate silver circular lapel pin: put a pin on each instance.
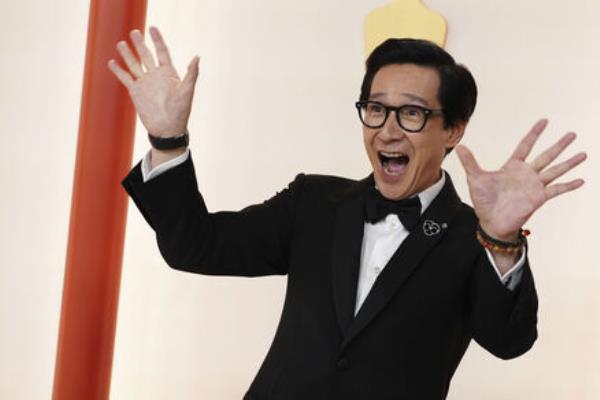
(431, 228)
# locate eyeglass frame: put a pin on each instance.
(389, 109)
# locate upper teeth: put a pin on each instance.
(391, 154)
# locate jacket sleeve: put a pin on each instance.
(252, 242)
(502, 321)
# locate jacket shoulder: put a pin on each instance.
(328, 186)
(328, 181)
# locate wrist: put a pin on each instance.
(168, 131)
(169, 143)
(505, 261)
(504, 236)
(496, 245)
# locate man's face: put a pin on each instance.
(416, 157)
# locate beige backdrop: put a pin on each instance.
(277, 83)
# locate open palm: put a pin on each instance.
(162, 100)
(505, 199)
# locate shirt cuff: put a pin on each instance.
(512, 277)
(148, 174)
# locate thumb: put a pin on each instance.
(467, 159)
(191, 75)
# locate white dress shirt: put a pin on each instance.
(380, 240)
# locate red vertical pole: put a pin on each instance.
(98, 210)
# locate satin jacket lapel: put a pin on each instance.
(346, 249)
(406, 259)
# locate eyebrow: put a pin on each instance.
(409, 95)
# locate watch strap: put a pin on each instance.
(169, 143)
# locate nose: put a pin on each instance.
(391, 129)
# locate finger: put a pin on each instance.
(189, 81)
(544, 159)
(132, 63)
(142, 50)
(162, 52)
(467, 159)
(558, 170)
(121, 74)
(526, 144)
(560, 188)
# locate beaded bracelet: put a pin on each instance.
(500, 246)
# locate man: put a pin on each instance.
(389, 277)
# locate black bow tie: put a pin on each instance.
(378, 207)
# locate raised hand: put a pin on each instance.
(505, 199)
(162, 100)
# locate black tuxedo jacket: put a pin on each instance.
(436, 293)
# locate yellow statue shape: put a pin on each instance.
(403, 19)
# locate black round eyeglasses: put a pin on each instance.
(410, 117)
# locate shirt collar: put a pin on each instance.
(427, 195)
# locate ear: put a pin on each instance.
(454, 134)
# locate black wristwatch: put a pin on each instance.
(169, 143)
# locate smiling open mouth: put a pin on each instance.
(393, 163)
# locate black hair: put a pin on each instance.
(457, 93)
